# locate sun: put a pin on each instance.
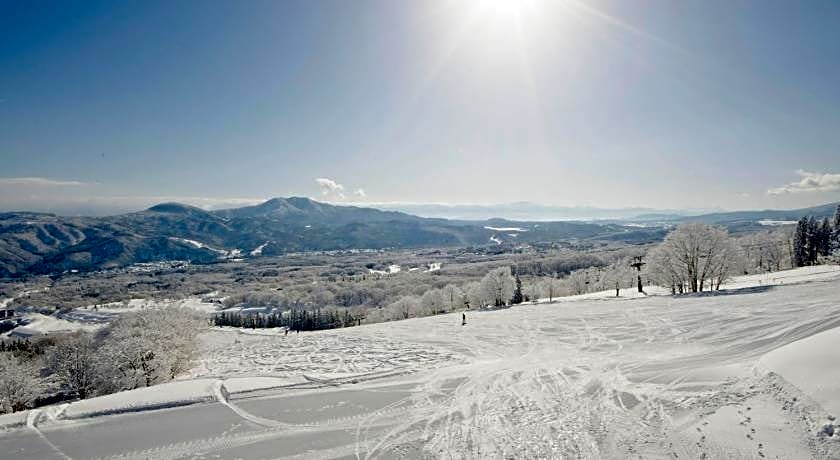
(504, 14)
(507, 9)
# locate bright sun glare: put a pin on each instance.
(507, 11)
(508, 8)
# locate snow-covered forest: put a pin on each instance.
(137, 349)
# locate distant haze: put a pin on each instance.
(525, 211)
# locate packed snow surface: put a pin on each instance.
(711, 375)
(813, 365)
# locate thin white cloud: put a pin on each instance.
(360, 192)
(809, 182)
(330, 188)
(40, 182)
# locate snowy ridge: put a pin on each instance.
(13, 420)
(162, 396)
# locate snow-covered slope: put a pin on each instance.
(647, 377)
(813, 365)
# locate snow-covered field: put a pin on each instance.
(749, 372)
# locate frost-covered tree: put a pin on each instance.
(73, 360)
(533, 289)
(663, 270)
(19, 383)
(620, 273)
(433, 301)
(775, 249)
(497, 287)
(578, 282)
(695, 256)
(453, 297)
(474, 295)
(403, 308)
(763, 251)
(150, 346)
(722, 264)
(550, 288)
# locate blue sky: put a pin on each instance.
(117, 105)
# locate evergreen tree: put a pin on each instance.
(825, 235)
(813, 240)
(800, 243)
(296, 320)
(836, 226)
(517, 292)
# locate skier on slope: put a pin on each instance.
(463, 319)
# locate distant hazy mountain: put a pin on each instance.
(524, 210)
(306, 211)
(821, 211)
(46, 243)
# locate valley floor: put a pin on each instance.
(703, 376)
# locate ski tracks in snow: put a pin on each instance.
(655, 377)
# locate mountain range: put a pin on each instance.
(38, 243)
(525, 210)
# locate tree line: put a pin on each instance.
(813, 239)
(294, 320)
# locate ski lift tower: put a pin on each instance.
(638, 264)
